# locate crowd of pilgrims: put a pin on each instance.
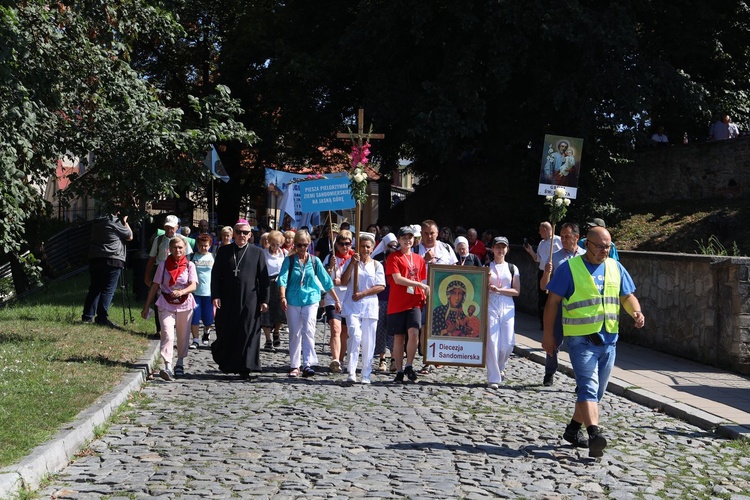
(252, 288)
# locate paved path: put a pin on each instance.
(214, 436)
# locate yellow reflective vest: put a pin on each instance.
(587, 309)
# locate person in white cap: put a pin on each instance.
(360, 306)
(160, 247)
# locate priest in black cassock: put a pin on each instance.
(240, 291)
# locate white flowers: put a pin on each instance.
(358, 183)
(357, 175)
(558, 205)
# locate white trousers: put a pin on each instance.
(362, 332)
(500, 341)
(174, 324)
(301, 321)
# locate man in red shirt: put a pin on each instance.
(475, 245)
(405, 272)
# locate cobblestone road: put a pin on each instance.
(448, 436)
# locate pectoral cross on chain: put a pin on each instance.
(236, 271)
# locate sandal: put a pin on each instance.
(179, 371)
(276, 340)
(307, 372)
(426, 370)
(294, 373)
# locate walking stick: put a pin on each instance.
(122, 294)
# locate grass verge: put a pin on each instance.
(52, 366)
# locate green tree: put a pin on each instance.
(66, 83)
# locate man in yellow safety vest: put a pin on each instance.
(591, 288)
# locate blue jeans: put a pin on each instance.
(592, 365)
(101, 290)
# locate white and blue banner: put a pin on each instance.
(326, 194)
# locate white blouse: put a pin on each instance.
(274, 262)
(370, 275)
(500, 277)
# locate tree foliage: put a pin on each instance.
(464, 89)
(66, 83)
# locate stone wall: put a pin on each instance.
(705, 170)
(696, 306)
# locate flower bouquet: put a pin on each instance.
(358, 176)
(558, 206)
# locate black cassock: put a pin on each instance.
(238, 329)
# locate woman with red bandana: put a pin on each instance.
(176, 279)
(336, 263)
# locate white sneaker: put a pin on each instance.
(195, 344)
(493, 386)
(365, 381)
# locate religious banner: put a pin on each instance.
(456, 327)
(284, 187)
(326, 194)
(561, 165)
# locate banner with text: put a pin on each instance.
(326, 194)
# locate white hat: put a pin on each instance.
(387, 239)
(460, 239)
(172, 221)
(367, 236)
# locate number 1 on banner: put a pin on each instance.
(432, 346)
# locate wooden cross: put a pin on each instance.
(360, 131)
(358, 137)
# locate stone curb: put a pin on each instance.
(55, 454)
(690, 414)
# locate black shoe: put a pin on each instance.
(276, 340)
(399, 378)
(578, 439)
(269, 346)
(549, 379)
(307, 372)
(597, 444)
(409, 372)
(206, 338)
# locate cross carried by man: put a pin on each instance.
(359, 139)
